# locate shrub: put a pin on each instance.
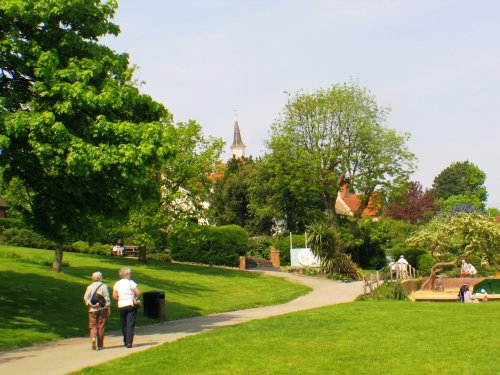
(312, 271)
(7, 223)
(259, 247)
(341, 265)
(162, 256)
(390, 291)
(339, 277)
(99, 249)
(210, 245)
(476, 262)
(26, 238)
(425, 263)
(80, 247)
(453, 272)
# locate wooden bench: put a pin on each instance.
(130, 250)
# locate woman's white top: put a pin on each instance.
(125, 290)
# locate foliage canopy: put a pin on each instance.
(334, 137)
(460, 234)
(463, 179)
(75, 132)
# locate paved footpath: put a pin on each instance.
(64, 356)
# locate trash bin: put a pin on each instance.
(154, 304)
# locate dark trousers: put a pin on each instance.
(128, 314)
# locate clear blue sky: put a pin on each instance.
(436, 64)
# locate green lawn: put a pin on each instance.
(355, 338)
(37, 305)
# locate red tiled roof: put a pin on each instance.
(353, 201)
(215, 176)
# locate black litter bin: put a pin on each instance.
(154, 305)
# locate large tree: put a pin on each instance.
(75, 131)
(230, 197)
(184, 188)
(336, 136)
(278, 200)
(461, 179)
(450, 237)
(186, 180)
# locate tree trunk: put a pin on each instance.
(142, 254)
(330, 209)
(365, 201)
(361, 208)
(438, 267)
(58, 256)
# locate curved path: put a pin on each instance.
(69, 355)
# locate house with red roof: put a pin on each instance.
(348, 204)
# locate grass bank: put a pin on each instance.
(37, 305)
(355, 338)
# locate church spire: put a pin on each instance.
(238, 147)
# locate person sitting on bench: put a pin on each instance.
(119, 249)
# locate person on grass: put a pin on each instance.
(125, 291)
(97, 299)
(468, 295)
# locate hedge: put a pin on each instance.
(25, 238)
(7, 223)
(210, 245)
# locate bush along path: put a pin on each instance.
(73, 354)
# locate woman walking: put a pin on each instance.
(96, 297)
(125, 291)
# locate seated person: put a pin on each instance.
(118, 249)
(484, 295)
(461, 292)
(467, 295)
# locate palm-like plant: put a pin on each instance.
(325, 243)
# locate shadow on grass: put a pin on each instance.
(42, 303)
(38, 305)
(36, 308)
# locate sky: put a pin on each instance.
(435, 64)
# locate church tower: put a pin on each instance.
(237, 148)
